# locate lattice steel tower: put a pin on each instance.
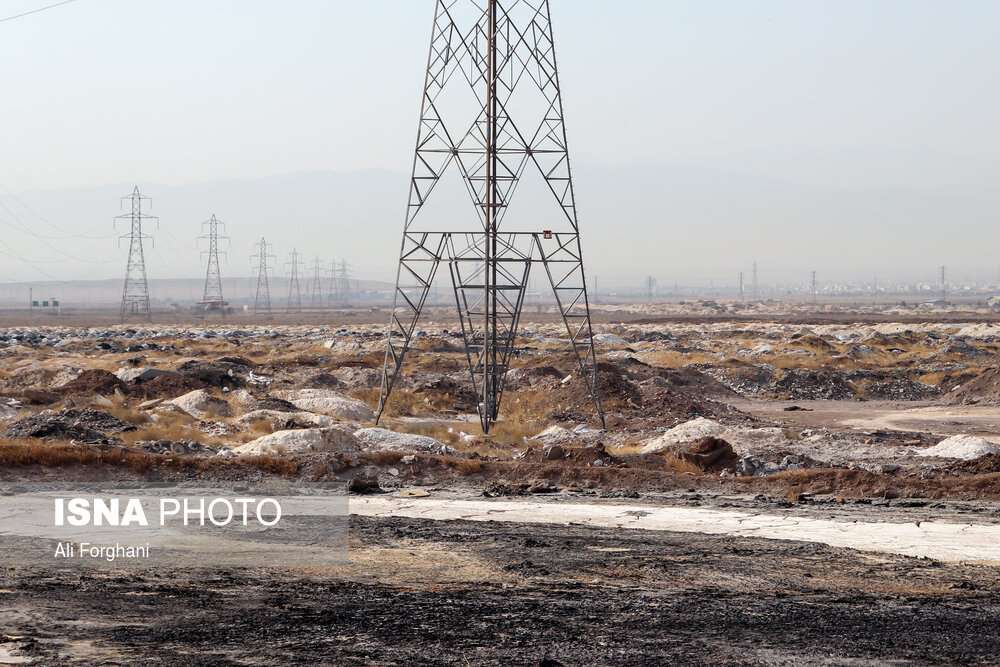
(263, 299)
(316, 296)
(213, 278)
(135, 295)
(294, 293)
(492, 113)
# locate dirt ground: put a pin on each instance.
(459, 593)
(772, 412)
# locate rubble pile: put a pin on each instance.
(83, 425)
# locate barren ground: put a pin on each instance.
(871, 392)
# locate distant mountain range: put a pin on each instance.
(676, 222)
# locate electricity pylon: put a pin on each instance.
(344, 283)
(331, 296)
(294, 293)
(263, 299)
(504, 51)
(316, 295)
(135, 295)
(213, 277)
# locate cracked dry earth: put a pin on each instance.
(457, 593)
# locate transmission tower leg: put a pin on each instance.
(418, 263)
(489, 295)
(563, 260)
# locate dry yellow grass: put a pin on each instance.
(55, 455)
(402, 403)
(169, 426)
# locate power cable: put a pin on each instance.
(67, 234)
(35, 11)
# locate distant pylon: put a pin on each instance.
(135, 295)
(742, 295)
(944, 283)
(331, 297)
(262, 266)
(294, 293)
(344, 283)
(814, 286)
(316, 294)
(213, 277)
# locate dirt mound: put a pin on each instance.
(215, 374)
(237, 361)
(171, 385)
(900, 389)
(437, 384)
(617, 391)
(571, 456)
(322, 381)
(93, 381)
(86, 425)
(708, 453)
(746, 379)
(538, 376)
(639, 395)
(29, 376)
(984, 389)
(813, 385)
(272, 403)
(981, 466)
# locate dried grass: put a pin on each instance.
(402, 403)
(464, 466)
(385, 457)
(54, 455)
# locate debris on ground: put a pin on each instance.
(179, 448)
(83, 425)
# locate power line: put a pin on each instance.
(35, 11)
(67, 234)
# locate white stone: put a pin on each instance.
(301, 440)
(129, 374)
(380, 438)
(7, 413)
(607, 338)
(200, 403)
(327, 402)
(557, 435)
(966, 447)
(319, 421)
(689, 431)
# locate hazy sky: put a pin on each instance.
(837, 93)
